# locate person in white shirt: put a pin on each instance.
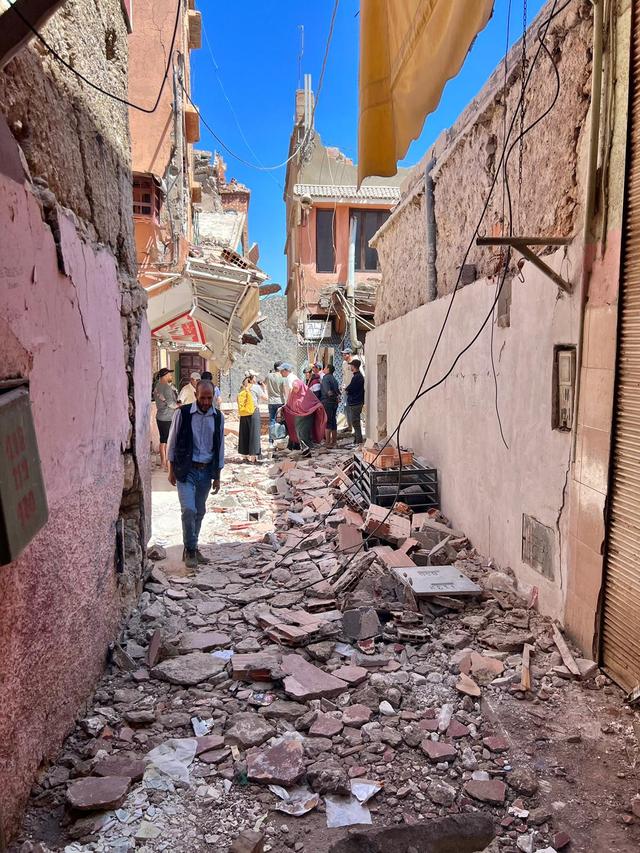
(187, 394)
(286, 371)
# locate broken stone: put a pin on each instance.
(328, 777)
(353, 675)
(147, 831)
(248, 841)
(321, 651)
(468, 686)
(305, 681)
(495, 744)
(283, 710)
(326, 726)
(93, 793)
(561, 840)
(188, 670)
(123, 764)
(441, 793)
(523, 780)
(156, 553)
(361, 623)
(140, 718)
(437, 751)
(204, 641)
(491, 791)
(355, 716)
(208, 742)
(280, 764)
(456, 730)
(246, 729)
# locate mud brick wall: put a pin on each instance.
(72, 324)
(467, 158)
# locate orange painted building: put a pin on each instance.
(322, 198)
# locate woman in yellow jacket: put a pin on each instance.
(249, 398)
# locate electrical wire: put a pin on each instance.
(504, 158)
(69, 67)
(504, 180)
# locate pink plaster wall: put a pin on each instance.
(311, 281)
(60, 603)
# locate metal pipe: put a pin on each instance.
(430, 214)
(351, 287)
(592, 165)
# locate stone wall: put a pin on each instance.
(466, 160)
(72, 324)
(279, 343)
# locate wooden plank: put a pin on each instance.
(525, 680)
(565, 654)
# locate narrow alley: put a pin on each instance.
(320, 426)
(289, 688)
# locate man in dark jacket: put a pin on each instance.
(196, 458)
(355, 399)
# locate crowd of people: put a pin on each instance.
(191, 426)
(306, 409)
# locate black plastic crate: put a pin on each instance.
(418, 485)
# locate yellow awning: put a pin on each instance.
(408, 51)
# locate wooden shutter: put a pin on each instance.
(621, 612)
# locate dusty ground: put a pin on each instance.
(571, 747)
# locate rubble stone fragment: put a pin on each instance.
(487, 791)
(361, 623)
(437, 751)
(247, 729)
(188, 670)
(329, 777)
(123, 764)
(280, 764)
(305, 681)
(98, 793)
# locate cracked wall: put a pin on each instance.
(72, 323)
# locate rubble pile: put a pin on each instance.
(302, 679)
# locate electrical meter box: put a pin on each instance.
(23, 500)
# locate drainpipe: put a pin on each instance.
(589, 200)
(429, 198)
(351, 287)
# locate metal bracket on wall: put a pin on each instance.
(522, 244)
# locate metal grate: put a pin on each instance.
(418, 485)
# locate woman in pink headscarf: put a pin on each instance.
(305, 417)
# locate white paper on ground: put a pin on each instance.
(345, 811)
(171, 759)
(297, 801)
(364, 789)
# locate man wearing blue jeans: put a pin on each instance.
(195, 450)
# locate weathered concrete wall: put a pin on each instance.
(71, 323)
(467, 157)
(485, 488)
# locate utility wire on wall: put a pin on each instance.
(69, 67)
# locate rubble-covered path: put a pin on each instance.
(243, 707)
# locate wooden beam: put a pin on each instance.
(521, 244)
(15, 33)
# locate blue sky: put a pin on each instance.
(255, 46)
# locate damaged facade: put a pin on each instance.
(535, 501)
(73, 331)
(321, 200)
(203, 294)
